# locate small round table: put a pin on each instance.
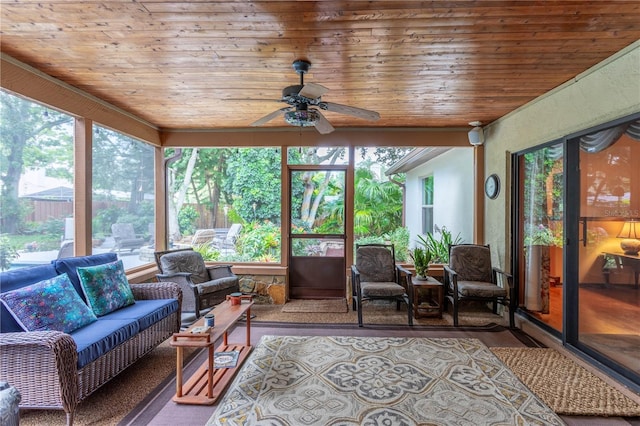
(428, 297)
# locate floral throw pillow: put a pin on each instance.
(106, 287)
(51, 304)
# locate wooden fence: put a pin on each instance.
(43, 210)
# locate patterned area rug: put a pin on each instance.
(292, 380)
(338, 306)
(565, 386)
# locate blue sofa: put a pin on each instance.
(56, 370)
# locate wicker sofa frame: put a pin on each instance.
(52, 354)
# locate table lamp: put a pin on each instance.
(630, 235)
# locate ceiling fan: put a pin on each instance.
(305, 104)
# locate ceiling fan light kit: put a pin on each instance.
(301, 96)
(301, 118)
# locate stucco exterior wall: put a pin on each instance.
(607, 91)
(453, 194)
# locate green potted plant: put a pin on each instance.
(439, 248)
(421, 258)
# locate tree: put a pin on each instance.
(178, 183)
(253, 183)
(377, 205)
(385, 156)
(30, 137)
(314, 189)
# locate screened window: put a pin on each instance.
(123, 197)
(427, 205)
(225, 202)
(36, 182)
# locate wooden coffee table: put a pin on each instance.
(428, 297)
(206, 385)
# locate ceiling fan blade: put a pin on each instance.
(322, 125)
(312, 90)
(270, 116)
(349, 110)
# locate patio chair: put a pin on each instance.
(66, 249)
(203, 236)
(376, 276)
(470, 276)
(229, 241)
(125, 237)
(202, 286)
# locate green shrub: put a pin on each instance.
(187, 220)
(439, 247)
(208, 252)
(399, 237)
(260, 241)
(8, 253)
(104, 218)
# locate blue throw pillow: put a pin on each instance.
(106, 287)
(51, 304)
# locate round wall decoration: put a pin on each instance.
(492, 186)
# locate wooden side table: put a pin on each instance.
(207, 384)
(428, 297)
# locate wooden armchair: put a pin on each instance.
(470, 276)
(376, 276)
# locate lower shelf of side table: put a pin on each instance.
(430, 308)
(194, 390)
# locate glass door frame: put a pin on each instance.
(574, 233)
(341, 279)
(517, 240)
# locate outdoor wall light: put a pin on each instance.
(630, 234)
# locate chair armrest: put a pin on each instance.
(500, 276)
(220, 271)
(355, 272)
(159, 290)
(190, 297)
(177, 277)
(43, 366)
(450, 280)
(402, 271)
(355, 279)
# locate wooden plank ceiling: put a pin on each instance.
(223, 64)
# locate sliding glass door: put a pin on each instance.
(576, 239)
(608, 261)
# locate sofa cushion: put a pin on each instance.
(17, 278)
(51, 304)
(99, 337)
(146, 312)
(105, 287)
(70, 264)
